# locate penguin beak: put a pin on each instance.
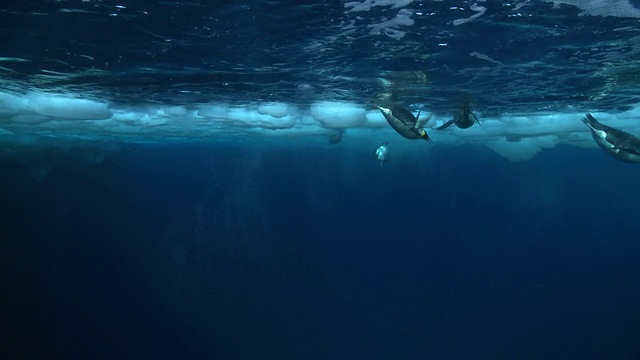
(424, 135)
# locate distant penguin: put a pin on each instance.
(465, 119)
(617, 143)
(403, 121)
(336, 138)
(382, 153)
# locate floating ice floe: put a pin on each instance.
(247, 117)
(11, 103)
(277, 110)
(338, 115)
(213, 111)
(515, 136)
(62, 107)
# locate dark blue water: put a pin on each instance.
(261, 252)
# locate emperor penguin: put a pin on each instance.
(463, 120)
(403, 121)
(617, 143)
(382, 153)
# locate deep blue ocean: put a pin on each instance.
(253, 252)
(151, 209)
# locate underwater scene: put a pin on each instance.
(278, 179)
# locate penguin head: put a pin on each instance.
(385, 111)
(424, 135)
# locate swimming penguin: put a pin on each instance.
(617, 143)
(403, 121)
(382, 153)
(463, 120)
(336, 138)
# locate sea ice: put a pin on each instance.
(338, 114)
(67, 107)
(515, 136)
(277, 110)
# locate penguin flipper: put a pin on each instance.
(447, 124)
(475, 118)
(421, 123)
(629, 147)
